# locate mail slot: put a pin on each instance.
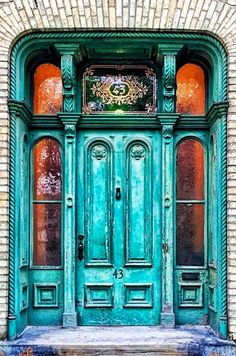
(190, 276)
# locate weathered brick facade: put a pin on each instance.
(18, 17)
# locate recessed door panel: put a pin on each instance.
(98, 203)
(118, 280)
(138, 204)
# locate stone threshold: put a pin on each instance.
(118, 340)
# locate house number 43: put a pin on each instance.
(118, 274)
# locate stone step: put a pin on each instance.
(112, 341)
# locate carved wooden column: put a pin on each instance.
(69, 120)
(168, 120)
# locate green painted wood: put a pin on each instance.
(167, 316)
(69, 313)
(191, 296)
(117, 219)
(118, 281)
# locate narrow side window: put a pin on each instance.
(47, 89)
(47, 194)
(190, 203)
(190, 95)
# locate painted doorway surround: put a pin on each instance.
(108, 280)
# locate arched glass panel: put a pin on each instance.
(190, 203)
(47, 203)
(47, 89)
(190, 93)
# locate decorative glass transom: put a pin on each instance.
(119, 89)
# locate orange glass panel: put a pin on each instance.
(190, 90)
(47, 170)
(47, 89)
(190, 170)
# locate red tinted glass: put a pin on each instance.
(190, 90)
(47, 212)
(47, 170)
(190, 235)
(190, 170)
(190, 215)
(47, 89)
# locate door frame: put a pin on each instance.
(69, 119)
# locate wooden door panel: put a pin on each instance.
(119, 278)
(98, 204)
(138, 204)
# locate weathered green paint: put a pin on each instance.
(119, 214)
(74, 286)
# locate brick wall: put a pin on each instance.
(18, 16)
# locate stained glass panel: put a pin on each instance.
(47, 203)
(47, 89)
(119, 89)
(47, 170)
(190, 170)
(190, 90)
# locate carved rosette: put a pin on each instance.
(169, 83)
(137, 152)
(99, 152)
(68, 80)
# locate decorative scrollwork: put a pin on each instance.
(137, 152)
(120, 90)
(89, 72)
(150, 108)
(87, 109)
(67, 68)
(149, 72)
(99, 152)
(169, 83)
(68, 80)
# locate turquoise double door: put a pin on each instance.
(118, 276)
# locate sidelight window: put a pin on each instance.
(47, 195)
(190, 203)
